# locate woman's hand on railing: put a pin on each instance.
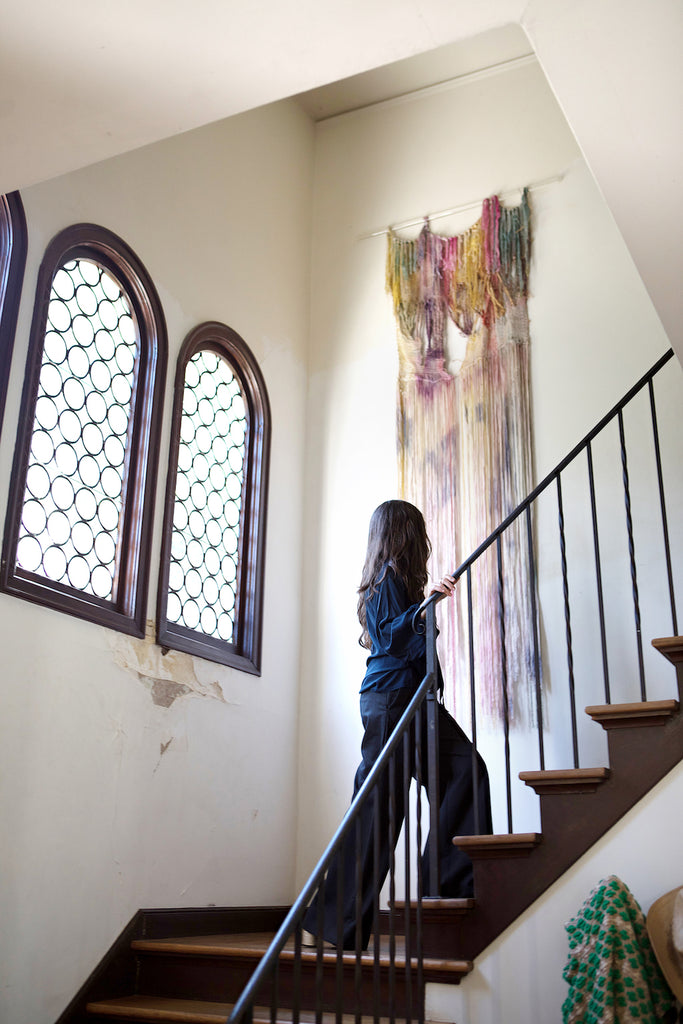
(445, 586)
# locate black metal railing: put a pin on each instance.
(395, 951)
(396, 955)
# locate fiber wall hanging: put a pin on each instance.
(464, 434)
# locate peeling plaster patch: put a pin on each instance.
(167, 676)
(165, 691)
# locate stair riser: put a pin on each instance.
(212, 979)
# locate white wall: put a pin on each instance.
(615, 68)
(593, 329)
(111, 802)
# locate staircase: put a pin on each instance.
(163, 970)
(192, 966)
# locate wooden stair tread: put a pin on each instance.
(182, 1011)
(671, 647)
(252, 946)
(507, 844)
(639, 713)
(196, 1011)
(565, 780)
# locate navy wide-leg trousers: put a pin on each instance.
(380, 713)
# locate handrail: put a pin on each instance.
(242, 1010)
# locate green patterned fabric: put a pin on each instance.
(612, 972)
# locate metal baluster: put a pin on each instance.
(357, 974)
(662, 503)
(407, 829)
(376, 883)
(567, 624)
(473, 705)
(432, 755)
(504, 679)
(598, 572)
(296, 981)
(418, 865)
(319, 951)
(339, 963)
(537, 654)
(632, 556)
(275, 994)
(392, 888)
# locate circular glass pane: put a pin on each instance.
(105, 548)
(89, 471)
(33, 517)
(58, 527)
(78, 572)
(208, 621)
(29, 554)
(101, 581)
(65, 458)
(74, 393)
(111, 482)
(82, 538)
(54, 564)
(86, 504)
(42, 448)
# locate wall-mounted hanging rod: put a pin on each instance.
(474, 205)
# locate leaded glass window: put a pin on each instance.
(82, 479)
(211, 583)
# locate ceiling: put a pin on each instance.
(83, 81)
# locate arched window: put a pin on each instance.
(12, 263)
(211, 582)
(79, 519)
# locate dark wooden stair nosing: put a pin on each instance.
(162, 1009)
(638, 714)
(671, 647)
(565, 780)
(506, 844)
(196, 1011)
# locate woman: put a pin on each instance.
(392, 588)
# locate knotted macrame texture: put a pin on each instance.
(464, 441)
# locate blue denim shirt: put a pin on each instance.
(397, 656)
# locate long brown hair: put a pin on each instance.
(397, 539)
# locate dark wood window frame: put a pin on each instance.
(13, 244)
(244, 652)
(127, 611)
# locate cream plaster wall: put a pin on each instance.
(615, 68)
(111, 802)
(594, 332)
